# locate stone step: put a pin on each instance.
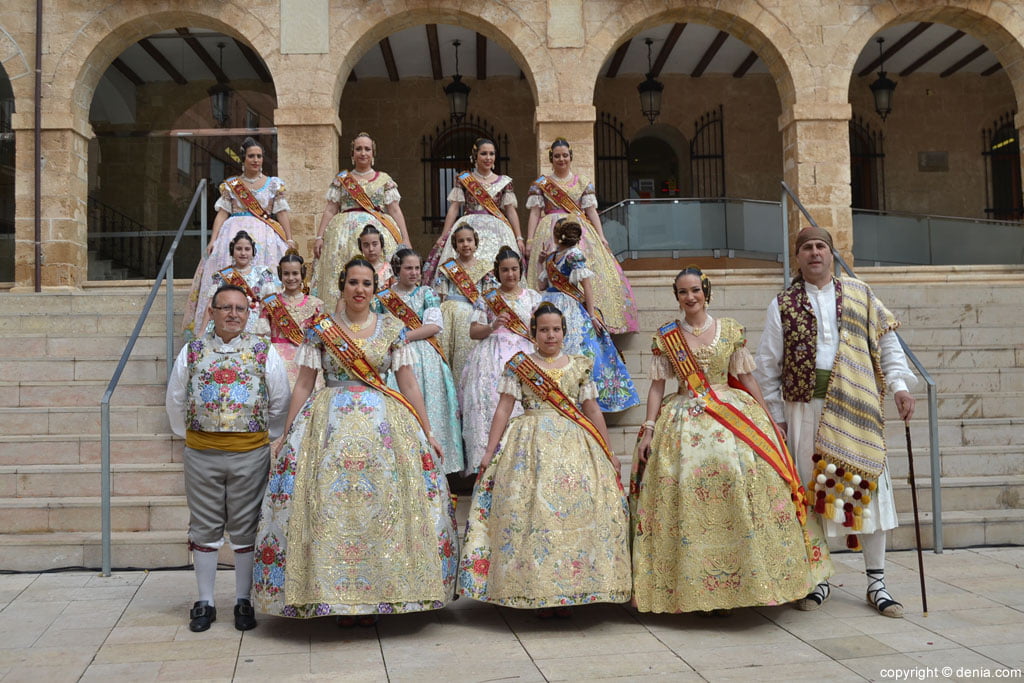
(58, 394)
(129, 549)
(43, 421)
(74, 449)
(37, 347)
(962, 493)
(961, 529)
(82, 513)
(139, 369)
(127, 479)
(960, 461)
(86, 324)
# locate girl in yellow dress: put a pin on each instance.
(549, 525)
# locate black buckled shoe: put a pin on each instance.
(245, 615)
(201, 616)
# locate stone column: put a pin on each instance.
(307, 149)
(64, 152)
(575, 123)
(816, 166)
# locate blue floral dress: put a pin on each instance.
(434, 377)
(615, 390)
(357, 519)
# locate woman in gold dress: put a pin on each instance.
(718, 521)
(355, 199)
(549, 525)
(357, 519)
(553, 197)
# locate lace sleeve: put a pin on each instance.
(534, 201)
(457, 195)
(588, 201)
(588, 390)
(308, 355)
(509, 384)
(391, 194)
(280, 200)
(402, 356)
(578, 263)
(333, 193)
(479, 312)
(508, 197)
(432, 316)
(224, 201)
(660, 368)
(741, 362)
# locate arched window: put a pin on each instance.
(446, 155)
(707, 155)
(1002, 168)
(867, 166)
(611, 156)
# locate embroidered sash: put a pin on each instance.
(356, 191)
(460, 278)
(232, 277)
(482, 196)
(673, 345)
(401, 310)
(278, 312)
(560, 198)
(561, 282)
(253, 206)
(351, 357)
(496, 302)
(548, 391)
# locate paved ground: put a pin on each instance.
(131, 627)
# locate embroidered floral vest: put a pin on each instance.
(227, 388)
(800, 340)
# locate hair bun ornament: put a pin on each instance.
(292, 250)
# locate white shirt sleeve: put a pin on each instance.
(897, 373)
(279, 394)
(769, 362)
(177, 390)
(432, 316)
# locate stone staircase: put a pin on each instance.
(62, 348)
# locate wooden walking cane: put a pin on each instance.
(917, 521)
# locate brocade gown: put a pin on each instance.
(613, 293)
(268, 246)
(715, 526)
(456, 310)
(549, 525)
(357, 518)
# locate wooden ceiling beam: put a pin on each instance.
(895, 47)
(254, 61)
(616, 63)
(666, 49)
(932, 53)
(712, 50)
(481, 57)
(127, 72)
(992, 69)
(975, 53)
(389, 59)
(204, 56)
(435, 51)
(745, 65)
(162, 61)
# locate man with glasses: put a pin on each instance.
(228, 397)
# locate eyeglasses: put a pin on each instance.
(228, 309)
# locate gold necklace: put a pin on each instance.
(355, 327)
(549, 360)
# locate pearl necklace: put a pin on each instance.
(362, 174)
(252, 180)
(481, 176)
(697, 331)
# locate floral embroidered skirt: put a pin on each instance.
(357, 518)
(549, 524)
(341, 243)
(715, 526)
(454, 337)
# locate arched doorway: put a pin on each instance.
(6, 179)
(1002, 150)
(653, 168)
(171, 109)
(396, 93)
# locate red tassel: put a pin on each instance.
(848, 522)
(819, 506)
(853, 542)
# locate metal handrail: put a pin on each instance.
(933, 401)
(166, 272)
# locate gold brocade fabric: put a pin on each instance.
(715, 526)
(357, 518)
(548, 524)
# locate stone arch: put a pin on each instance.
(120, 25)
(995, 26)
(363, 27)
(762, 31)
(14, 65)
